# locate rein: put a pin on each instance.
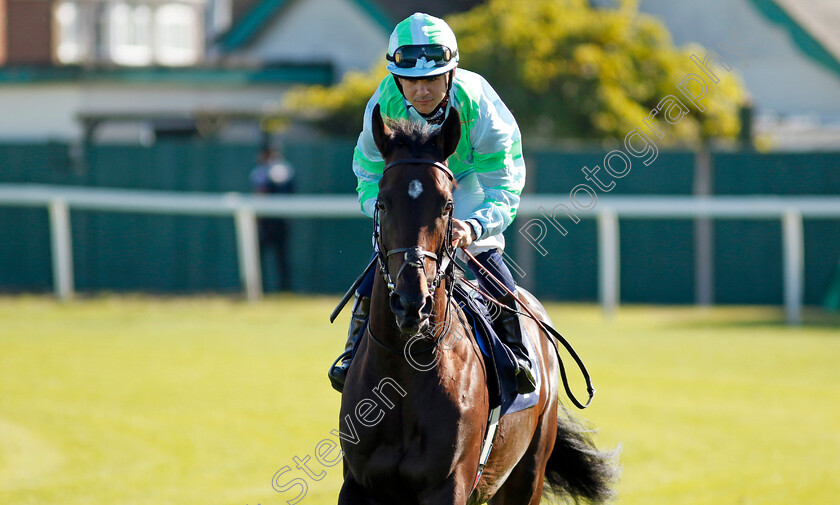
(548, 330)
(401, 352)
(435, 342)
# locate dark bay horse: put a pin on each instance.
(412, 434)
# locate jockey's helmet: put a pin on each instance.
(422, 46)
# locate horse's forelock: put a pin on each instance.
(412, 132)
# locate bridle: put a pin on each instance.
(413, 257)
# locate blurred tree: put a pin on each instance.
(566, 70)
(335, 110)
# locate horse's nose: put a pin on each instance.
(412, 312)
(403, 304)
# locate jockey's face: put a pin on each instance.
(424, 94)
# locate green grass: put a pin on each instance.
(200, 401)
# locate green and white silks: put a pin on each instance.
(487, 163)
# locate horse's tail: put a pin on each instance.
(576, 468)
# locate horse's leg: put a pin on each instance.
(525, 482)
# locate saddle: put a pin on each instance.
(499, 360)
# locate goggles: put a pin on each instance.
(421, 56)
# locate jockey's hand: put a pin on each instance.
(462, 233)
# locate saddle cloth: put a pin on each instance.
(499, 359)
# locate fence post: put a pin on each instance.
(794, 266)
(62, 248)
(609, 275)
(704, 258)
(248, 246)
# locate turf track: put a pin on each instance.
(130, 400)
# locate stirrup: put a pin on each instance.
(525, 382)
(338, 373)
(509, 329)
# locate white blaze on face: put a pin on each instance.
(415, 189)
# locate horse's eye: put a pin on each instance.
(380, 206)
(447, 208)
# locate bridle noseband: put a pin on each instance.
(414, 256)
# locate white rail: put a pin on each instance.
(60, 200)
(791, 210)
(244, 209)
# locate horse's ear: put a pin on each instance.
(450, 133)
(381, 132)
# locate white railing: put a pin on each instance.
(244, 209)
(59, 200)
(790, 210)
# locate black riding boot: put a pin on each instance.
(507, 327)
(338, 372)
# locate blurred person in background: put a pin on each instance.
(273, 175)
(424, 86)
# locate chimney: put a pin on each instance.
(28, 32)
(4, 33)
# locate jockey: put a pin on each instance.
(488, 165)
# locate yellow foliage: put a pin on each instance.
(337, 109)
(565, 69)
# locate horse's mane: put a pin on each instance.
(411, 132)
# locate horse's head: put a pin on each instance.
(414, 210)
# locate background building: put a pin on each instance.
(121, 71)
